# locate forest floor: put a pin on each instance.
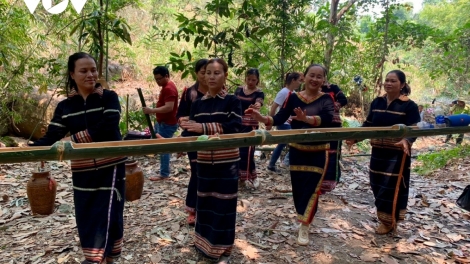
(435, 230)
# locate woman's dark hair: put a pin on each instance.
(162, 70)
(325, 71)
(200, 64)
(71, 84)
(219, 61)
(406, 90)
(253, 71)
(291, 76)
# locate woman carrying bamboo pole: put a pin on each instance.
(250, 97)
(91, 114)
(217, 170)
(191, 94)
(308, 161)
(390, 161)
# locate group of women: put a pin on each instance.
(206, 108)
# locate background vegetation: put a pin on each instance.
(276, 36)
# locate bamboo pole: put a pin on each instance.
(65, 150)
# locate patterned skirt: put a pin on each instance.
(308, 164)
(247, 164)
(333, 171)
(99, 205)
(191, 196)
(217, 191)
(385, 166)
(247, 159)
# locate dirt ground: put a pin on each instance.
(435, 230)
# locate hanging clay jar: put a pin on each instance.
(41, 190)
(134, 181)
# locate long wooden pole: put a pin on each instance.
(397, 189)
(65, 150)
(147, 117)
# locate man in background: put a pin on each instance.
(166, 124)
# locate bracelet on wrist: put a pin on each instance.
(267, 123)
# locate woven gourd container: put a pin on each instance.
(41, 190)
(134, 181)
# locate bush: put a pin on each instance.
(437, 160)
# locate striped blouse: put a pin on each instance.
(95, 119)
(220, 114)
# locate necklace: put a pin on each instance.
(247, 91)
(311, 97)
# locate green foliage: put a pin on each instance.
(391, 32)
(219, 36)
(436, 160)
(8, 141)
(135, 118)
(278, 36)
(25, 60)
(89, 35)
(364, 146)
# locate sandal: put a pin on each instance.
(223, 260)
(384, 229)
(158, 178)
(191, 220)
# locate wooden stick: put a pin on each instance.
(397, 188)
(149, 122)
(294, 231)
(127, 113)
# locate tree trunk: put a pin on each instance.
(283, 42)
(330, 38)
(101, 41)
(335, 16)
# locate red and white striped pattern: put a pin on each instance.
(82, 137)
(213, 251)
(212, 128)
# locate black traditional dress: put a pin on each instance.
(217, 174)
(247, 154)
(184, 109)
(308, 161)
(333, 173)
(98, 184)
(386, 158)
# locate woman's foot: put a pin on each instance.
(191, 220)
(383, 229)
(223, 260)
(255, 183)
(158, 178)
(242, 184)
(252, 184)
(302, 239)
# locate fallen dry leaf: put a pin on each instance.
(369, 257)
(389, 260)
(454, 237)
